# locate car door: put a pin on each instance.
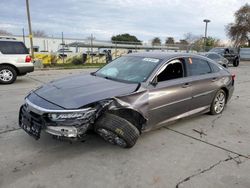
(170, 96)
(204, 82)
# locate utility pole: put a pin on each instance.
(63, 47)
(30, 29)
(205, 39)
(91, 43)
(23, 36)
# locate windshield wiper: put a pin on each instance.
(93, 73)
(110, 78)
(115, 79)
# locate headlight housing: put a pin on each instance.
(79, 115)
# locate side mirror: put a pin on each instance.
(154, 82)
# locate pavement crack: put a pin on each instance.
(208, 143)
(201, 132)
(10, 130)
(206, 170)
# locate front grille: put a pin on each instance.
(31, 122)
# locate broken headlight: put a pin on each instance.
(73, 115)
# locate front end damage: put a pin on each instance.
(74, 124)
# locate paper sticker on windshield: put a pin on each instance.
(153, 60)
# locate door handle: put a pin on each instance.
(214, 79)
(186, 85)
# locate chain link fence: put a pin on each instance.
(101, 51)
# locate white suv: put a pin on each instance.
(14, 60)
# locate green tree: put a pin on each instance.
(239, 31)
(191, 38)
(39, 33)
(125, 39)
(211, 42)
(169, 40)
(183, 42)
(156, 41)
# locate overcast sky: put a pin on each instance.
(144, 18)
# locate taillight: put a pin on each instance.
(233, 77)
(27, 59)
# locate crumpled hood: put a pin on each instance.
(77, 91)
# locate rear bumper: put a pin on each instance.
(230, 93)
(26, 69)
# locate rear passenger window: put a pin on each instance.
(198, 66)
(214, 67)
(10, 47)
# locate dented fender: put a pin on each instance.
(133, 107)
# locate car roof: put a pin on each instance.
(207, 53)
(162, 55)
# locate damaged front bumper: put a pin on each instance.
(60, 123)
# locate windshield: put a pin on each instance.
(129, 69)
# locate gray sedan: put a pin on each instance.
(133, 94)
(217, 58)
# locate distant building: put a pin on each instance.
(48, 44)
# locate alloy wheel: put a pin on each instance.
(219, 102)
(6, 75)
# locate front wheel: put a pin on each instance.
(7, 74)
(218, 103)
(117, 130)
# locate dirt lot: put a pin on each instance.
(174, 156)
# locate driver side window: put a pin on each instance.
(173, 70)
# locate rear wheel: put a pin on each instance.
(117, 130)
(7, 74)
(218, 103)
(236, 62)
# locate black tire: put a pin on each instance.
(9, 70)
(117, 130)
(236, 63)
(214, 106)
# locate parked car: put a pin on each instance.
(231, 54)
(133, 94)
(64, 52)
(217, 58)
(14, 60)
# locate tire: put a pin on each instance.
(236, 63)
(8, 74)
(218, 103)
(117, 130)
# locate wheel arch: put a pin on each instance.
(131, 115)
(226, 91)
(9, 64)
